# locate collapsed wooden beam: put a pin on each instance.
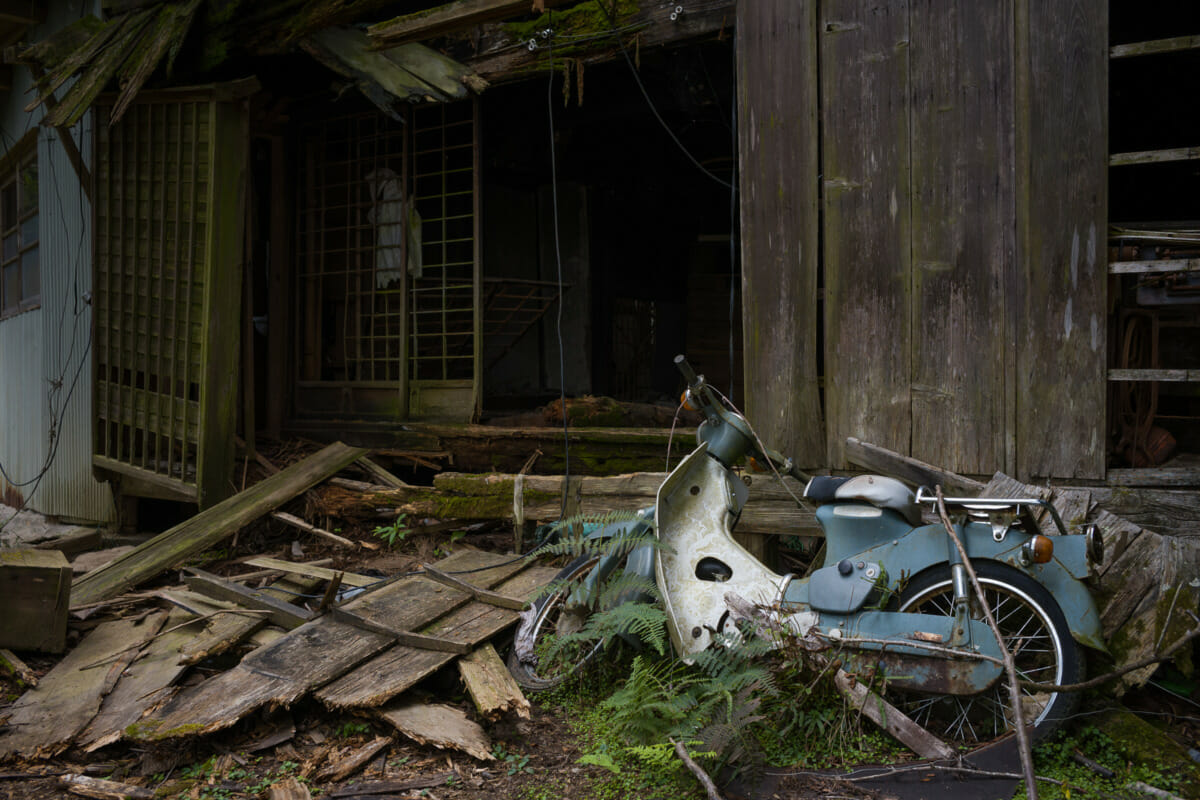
(442, 19)
(210, 526)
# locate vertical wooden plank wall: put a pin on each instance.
(865, 164)
(778, 172)
(962, 237)
(1062, 124)
(224, 227)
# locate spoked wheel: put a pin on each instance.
(533, 662)
(1035, 631)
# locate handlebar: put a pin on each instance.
(717, 415)
(689, 374)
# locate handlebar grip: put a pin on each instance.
(689, 374)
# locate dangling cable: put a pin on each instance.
(562, 367)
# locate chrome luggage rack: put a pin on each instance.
(992, 505)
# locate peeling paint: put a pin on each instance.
(1067, 324)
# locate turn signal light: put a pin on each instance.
(1037, 550)
(685, 400)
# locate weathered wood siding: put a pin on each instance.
(963, 171)
(865, 136)
(1062, 129)
(778, 167)
(962, 240)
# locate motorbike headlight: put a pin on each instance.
(1037, 550)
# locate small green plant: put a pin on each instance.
(348, 730)
(514, 762)
(395, 532)
(446, 548)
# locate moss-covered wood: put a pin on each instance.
(209, 526)
(501, 51)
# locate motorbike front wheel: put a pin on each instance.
(531, 660)
(1034, 630)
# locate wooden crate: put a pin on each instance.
(35, 592)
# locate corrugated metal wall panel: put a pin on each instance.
(51, 344)
(68, 490)
(22, 442)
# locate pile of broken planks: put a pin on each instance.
(361, 655)
(358, 646)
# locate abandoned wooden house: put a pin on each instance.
(960, 231)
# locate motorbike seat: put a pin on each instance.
(878, 490)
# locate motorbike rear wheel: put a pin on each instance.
(1035, 631)
(530, 660)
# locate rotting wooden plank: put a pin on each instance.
(1154, 265)
(392, 672)
(380, 474)
(890, 719)
(101, 789)
(319, 651)
(210, 526)
(491, 685)
(1171, 512)
(1154, 156)
(143, 684)
(226, 630)
(1172, 45)
(404, 638)
(961, 152)
(441, 726)
(1168, 375)
(441, 19)
(1061, 117)
(78, 99)
(772, 507)
(866, 143)
(481, 595)
(910, 470)
(282, 613)
(44, 720)
(310, 571)
(224, 252)
(351, 762)
(779, 166)
(171, 28)
(1160, 476)
(299, 524)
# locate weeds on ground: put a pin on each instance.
(740, 706)
(1055, 758)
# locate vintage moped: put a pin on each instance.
(891, 595)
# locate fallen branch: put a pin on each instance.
(1092, 683)
(1010, 666)
(710, 788)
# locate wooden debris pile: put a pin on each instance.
(355, 643)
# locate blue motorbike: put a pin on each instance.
(891, 596)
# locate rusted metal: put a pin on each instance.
(924, 673)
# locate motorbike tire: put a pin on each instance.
(1035, 632)
(551, 617)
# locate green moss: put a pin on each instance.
(585, 18)
(150, 731)
(1141, 742)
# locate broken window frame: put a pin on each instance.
(19, 221)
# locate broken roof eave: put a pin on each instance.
(410, 73)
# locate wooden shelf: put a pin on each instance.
(1173, 45)
(1164, 375)
(1154, 156)
(1154, 265)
